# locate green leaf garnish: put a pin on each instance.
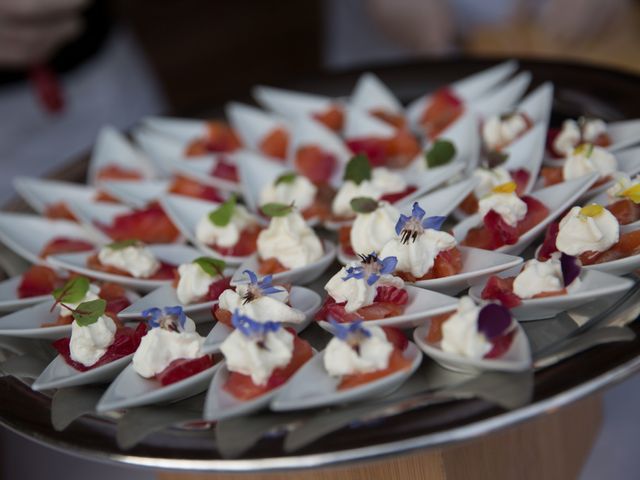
(358, 169)
(221, 216)
(364, 205)
(211, 266)
(122, 244)
(89, 312)
(288, 177)
(276, 209)
(440, 153)
(73, 291)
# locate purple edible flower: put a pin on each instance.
(352, 333)
(371, 268)
(171, 318)
(258, 288)
(494, 320)
(570, 267)
(252, 329)
(409, 227)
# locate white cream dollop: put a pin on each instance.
(460, 333)
(88, 344)
(371, 231)
(508, 205)
(159, 347)
(488, 178)
(357, 292)
(265, 308)
(301, 192)
(373, 354)
(291, 241)
(592, 128)
(568, 137)
(92, 294)
(586, 159)
(211, 234)
(579, 233)
(417, 256)
(499, 131)
(137, 260)
(244, 355)
(383, 181)
(193, 283)
(623, 182)
(538, 277)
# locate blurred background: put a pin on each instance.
(67, 67)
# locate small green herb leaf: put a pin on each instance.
(276, 209)
(122, 244)
(358, 169)
(364, 205)
(221, 216)
(211, 266)
(440, 153)
(89, 312)
(288, 177)
(73, 291)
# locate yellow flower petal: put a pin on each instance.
(592, 210)
(632, 193)
(585, 149)
(508, 187)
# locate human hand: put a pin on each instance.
(31, 31)
(425, 26)
(575, 21)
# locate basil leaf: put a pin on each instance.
(211, 266)
(89, 312)
(221, 216)
(358, 169)
(122, 244)
(496, 158)
(440, 153)
(364, 205)
(288, 177)
(73, 291)
(276, 209)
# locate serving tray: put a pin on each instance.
(170, 436)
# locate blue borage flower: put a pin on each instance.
(171, 318)
(371, 268)
(409, 227)
(494, 320)
(351, 333)
(252, 329)
(258, 288)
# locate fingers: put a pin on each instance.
(23, 44)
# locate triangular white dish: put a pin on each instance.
(59, 374)
(185, 213)
(135, 194)
(183, 130)
(9, 301)
(502, 97)
(537, 105)
(477, 266)
(160, 146)
(297, 276)
(131, 390)
(361, 124)
(313, 387)
(291, 104)
(557, 198)
(27, 323)
(41, 193)
(594, 285)
(465, 135)
(311, 133)
(89, 214)
(113, 148)
(27, 234)
(422, 304)
(622, 266)
(516, 359)
(173, 254)
(467, 89)
(370, 93)
(253, 124)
